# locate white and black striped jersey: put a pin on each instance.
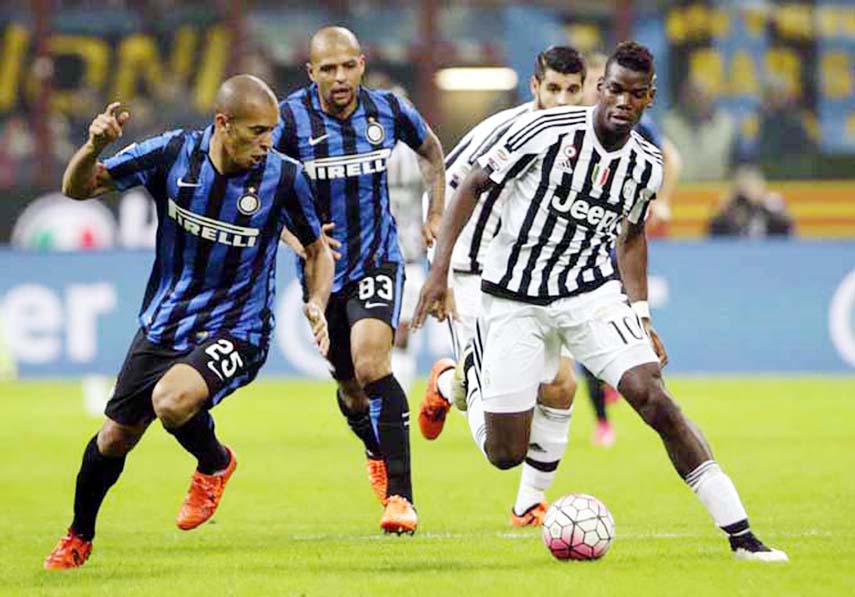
(471, 246)
(566, 198)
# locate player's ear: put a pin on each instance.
(533, 84)
(310, 72)
(651, 96)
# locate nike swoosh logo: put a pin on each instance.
(372, 305)
(181, 183)
(315, 140)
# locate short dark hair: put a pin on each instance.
(632, 55)
(561, 59)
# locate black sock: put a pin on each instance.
(394, 428)
(97, 475)
(198, 437)
(360, 423)
(597, 394)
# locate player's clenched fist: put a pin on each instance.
(107, 126)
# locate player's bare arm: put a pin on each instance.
(85, 177)
(432, 164)
(319, 270)
(632, 263)
(433, 297)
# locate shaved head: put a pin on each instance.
(245, 114)
(336, 65)
(330, 40)
(242, 95)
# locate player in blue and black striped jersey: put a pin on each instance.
(343, 133)
(223, 198)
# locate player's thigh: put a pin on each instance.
(223, 363)
(339, 354)
(371, 349)
(467, 299)
(515, 351)
(606, 336)
(130, 404)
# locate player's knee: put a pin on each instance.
(371, 367)
(651, 400)
(116, 440)
(352, 396)
(504, 456)
(171, 404)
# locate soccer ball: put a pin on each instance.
(578, 527)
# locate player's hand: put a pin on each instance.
(107, 126)
(432, 300)
(332, 242)
(658, 346)
(319, 326)
(430, 230)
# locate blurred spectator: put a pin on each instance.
(704, 135)
(782, 131)
(751, 210)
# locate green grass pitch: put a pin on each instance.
(299, 519)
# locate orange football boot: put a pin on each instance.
(204, 495)
(376, 468)
(434, 407)
(530, 518)
(71, 552)
(399, 516)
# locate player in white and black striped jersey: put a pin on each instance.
(583, 182)
(558, 80)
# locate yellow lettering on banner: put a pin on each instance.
(183, 49)
(720, 22)
(15, 44)
(697, 21)
(850, 126)
(138, 58)
(743, 75)
(755, 21)
(785, 63)
(212, 67)
(827, 18)
(836, 77)
(847, 18)
(794, 21)
(705, 64)
(95, 55)
(675, 26)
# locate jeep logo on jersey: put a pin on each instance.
(210, 229)
(348, 165)
(375, 133)
(581, 211)
(249, 203)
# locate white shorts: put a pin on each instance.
(467, 299)
(415, 273)
(518, 345)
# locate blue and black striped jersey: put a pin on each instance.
(347, 159)
(216, 237)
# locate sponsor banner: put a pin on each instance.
(728, 307)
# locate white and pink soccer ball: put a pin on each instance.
(578, 527)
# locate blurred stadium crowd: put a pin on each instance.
(747, 90)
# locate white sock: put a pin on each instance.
(443, 384)
(717, 493)
(550, 428)
(404, 367)
(475, 412)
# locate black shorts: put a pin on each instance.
(377, 295)
(225, 362)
